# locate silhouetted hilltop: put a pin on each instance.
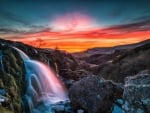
(109, 50)
(117, 62)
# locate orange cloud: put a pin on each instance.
(79, 40)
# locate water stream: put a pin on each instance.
(43, 86)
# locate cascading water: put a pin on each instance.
(43, 86)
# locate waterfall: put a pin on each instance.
(43, 86)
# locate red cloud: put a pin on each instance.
(79, 40)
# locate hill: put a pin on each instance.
(117, 62)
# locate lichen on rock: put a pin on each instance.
(136, 93)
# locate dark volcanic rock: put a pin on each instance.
(94, 94)
(137, 93)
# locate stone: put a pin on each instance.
(136, 93)
(2, 91)
(118, 106)
(80, 111)
(62, 107)
(94, 94)
(1, 84)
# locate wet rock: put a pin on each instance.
(1, 84)
(11, 78)
(2, 91)
(12, 71)
(59, 107)
(118, 106)
(94, 94)
(4, 101)
(62, 107)
(42, 108)
(80, 111)
(68, 82)
(136, 93)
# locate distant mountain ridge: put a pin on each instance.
(117, 62)
(109, 50)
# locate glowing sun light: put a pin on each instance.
(73, 22)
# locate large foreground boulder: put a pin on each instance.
(137, 93)
(94, 94)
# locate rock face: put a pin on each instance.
(137, 93)
(12, 72)
(94, 94)
(11, 79)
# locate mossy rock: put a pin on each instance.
(5, 110)
(1, 83)
(12, 76)
(17, 107)
(12, 79)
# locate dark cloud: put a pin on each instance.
(8, 31)
(39, 28)
(13, 17)
(131, 27)
(33, 29)
(141, 18)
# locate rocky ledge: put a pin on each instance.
(137, 93)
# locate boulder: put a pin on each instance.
(94, 94)
(136, 93)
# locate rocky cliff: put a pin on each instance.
(12, 71)
(136, 93)
(87, 92)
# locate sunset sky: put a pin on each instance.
(75, 25)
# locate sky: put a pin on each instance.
(75, 25)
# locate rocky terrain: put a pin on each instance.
(115, 63)
(136, 93)
(94, 94)
(95, 79)
(12, 71)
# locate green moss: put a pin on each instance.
(5, 110)
(17, 107)
(1, 83)
(12, 79)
